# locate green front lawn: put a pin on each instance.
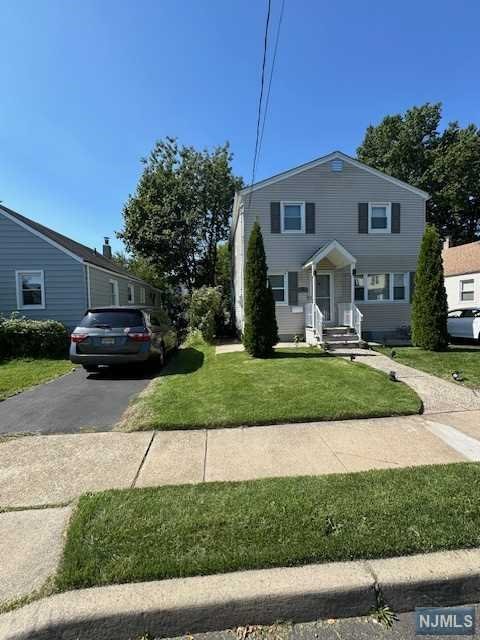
(167, 532)
(441, 363)
(199, 389)
(17, 375)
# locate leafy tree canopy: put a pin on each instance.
(181, 210)
(446, 164)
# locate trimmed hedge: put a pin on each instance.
(24, 338)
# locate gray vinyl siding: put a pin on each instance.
(336, 197)
(65, 286)
(100, 291)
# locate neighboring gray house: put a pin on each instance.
(341, 241)
(45, 275)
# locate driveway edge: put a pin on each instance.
(208, 603)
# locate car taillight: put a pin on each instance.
(138, 337)
(78, 337)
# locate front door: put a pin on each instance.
(324, 295)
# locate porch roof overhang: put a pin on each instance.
(333, 251)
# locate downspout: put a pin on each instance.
(89, 296)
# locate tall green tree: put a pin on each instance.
(181, 210)
(446, 164)
(261, 331)
(429, 310)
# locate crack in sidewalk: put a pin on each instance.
(147, 451)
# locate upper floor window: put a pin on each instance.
(293, 217)
(379, 217)
(30, 290)
(131, 294)
(466, 290)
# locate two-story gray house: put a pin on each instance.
(341, 242)
(45, 275)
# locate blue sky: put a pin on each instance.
(87, 87)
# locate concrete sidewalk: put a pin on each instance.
(51, 470)
(206, 603)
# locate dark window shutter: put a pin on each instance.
(412, 285)
(310, 217)
(363, 217)
(275, 217)
(292, 288)
(395, 217)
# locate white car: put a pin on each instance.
(464, 323)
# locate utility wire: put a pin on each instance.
(267, 101)
(260, 102)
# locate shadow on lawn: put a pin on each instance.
(301, 353)
(184, 361)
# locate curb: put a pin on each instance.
(207, 603)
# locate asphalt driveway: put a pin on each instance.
(73, 403)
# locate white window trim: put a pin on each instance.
(115, 292)
(388, 206)
(143, 295)
(460, 291)
(406, 283)
(22, 272)
(131, 294)
(285, 203)
(285, 289)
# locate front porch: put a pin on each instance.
(331, 315)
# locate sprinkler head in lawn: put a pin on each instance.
(457, 376)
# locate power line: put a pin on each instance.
(262, 85)
(267, 101)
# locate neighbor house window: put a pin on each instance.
(379, 217)
(114, 293)
(30, 290)
(293, 217)
(359, 287)
(466, 290)
(279, 288)
(142, 296)
(131, 294)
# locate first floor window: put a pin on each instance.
(466, 290)
(293, 217)
(131, 294)
(142, 296)
(399, 286)
(378, 286)
(359, 287)
(114, 293)
(278, 288)
(30, 290)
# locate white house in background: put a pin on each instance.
(462, 274)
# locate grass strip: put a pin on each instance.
(441, 363)
(175, 531)
(17, 375)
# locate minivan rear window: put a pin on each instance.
(112, 319)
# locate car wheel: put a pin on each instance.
(90, 368)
